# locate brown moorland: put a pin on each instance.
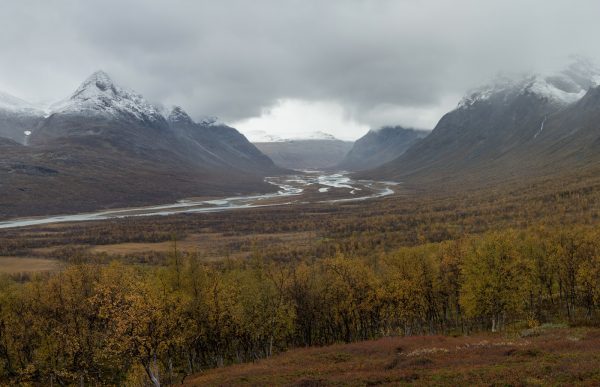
(15, 265)
(534, 357)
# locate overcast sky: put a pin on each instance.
(288, 66)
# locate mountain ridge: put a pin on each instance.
(315, 150)
(380, 146)
(498, 132)
(108, 147)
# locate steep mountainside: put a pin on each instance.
(105, 146)
(212, 143)
(569, 138)
(515, 127)
(380, 146)
(315, 151)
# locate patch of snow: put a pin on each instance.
(541, 127)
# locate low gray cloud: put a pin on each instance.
(234, 58)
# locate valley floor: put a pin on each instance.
(296, 189)
(547, 355)
(346, 271)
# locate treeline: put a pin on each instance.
(126, 324)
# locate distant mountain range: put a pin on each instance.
(317, 150)
(515, 127)
(106, 146)
(258, 136)
(380, 146)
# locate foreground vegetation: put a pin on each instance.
(132, 324)
(545, 356)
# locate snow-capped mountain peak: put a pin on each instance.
(99, 95)
(561, 88)
(98, 82)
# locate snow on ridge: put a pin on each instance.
(262, 136)
(546, 89)
(483, 93)
(177, 114)
(562, 88)
(18, 105)
(99, 95)
(536, 84)
(209, 120)
(318, 135)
